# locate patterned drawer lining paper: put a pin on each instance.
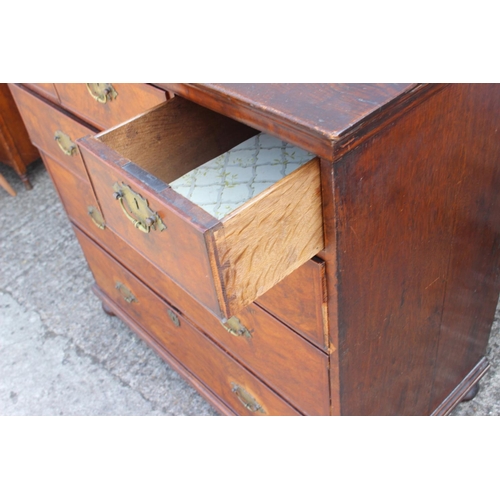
(228, 181)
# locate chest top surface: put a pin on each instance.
(316, 116)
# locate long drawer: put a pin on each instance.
(228, 263)
(236, 386)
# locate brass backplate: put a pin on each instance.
(246, 399)
(68, 147)
(96, 217)
(234, 326)
(102, 92)
(125, 292)
(138, 207)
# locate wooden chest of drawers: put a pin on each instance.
(362, 280)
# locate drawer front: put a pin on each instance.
(47, 90)
(107, 105)
(225, 264)
(300, 301)
(78, 199)
(52, 130)
(288, 363)
(237, 387)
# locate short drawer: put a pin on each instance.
(300, 301)
(52, 130)
(236, 386)
(226, 262)
(78, 198)
(47, 90)
(105, 105)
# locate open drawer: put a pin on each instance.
(146, 173)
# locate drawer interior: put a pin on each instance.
(217, 163)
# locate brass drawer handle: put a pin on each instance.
(246, 399)
(68, 147)
(125, 292)
(96, 217)
(144, 218)
(102, 92)
(234, 327)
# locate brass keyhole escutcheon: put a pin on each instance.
(102, 92)
(173, 317)
(136, 209)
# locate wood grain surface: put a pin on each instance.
(179, 250)
(76, 195)
(132, 100)
(406, 201)
(300, 301)
(313, 116)
(473, 273)
(46, 90)
(270, 236)
(193, 349)
(42, 120)
(175, 138)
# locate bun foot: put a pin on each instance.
(471, 393)
(107, 310)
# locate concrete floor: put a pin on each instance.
(61, 355)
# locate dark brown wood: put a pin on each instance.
(399, 197)
(16, 149)
(193, 349)
(462, 389)
(313, 116)
(43, 120)
(132, 99)
(300, 300)
(329, 254)
(473, 273)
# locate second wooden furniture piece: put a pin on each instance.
(289, 249)
(16, 149)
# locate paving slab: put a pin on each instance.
(60, 354)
